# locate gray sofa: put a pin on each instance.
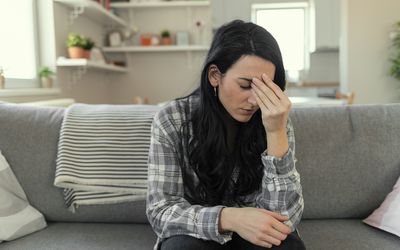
(348, 158)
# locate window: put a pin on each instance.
(287, 23)
(18, 43)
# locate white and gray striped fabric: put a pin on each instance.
(103, 153)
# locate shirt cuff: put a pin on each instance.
(278, 165)
(212, 215)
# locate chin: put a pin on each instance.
(242, 118)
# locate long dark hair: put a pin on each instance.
(209, 156)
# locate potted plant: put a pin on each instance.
(45, 74)
(79, 46)
(75, 46)
(88, 45)
(166, 37)
(395, 68)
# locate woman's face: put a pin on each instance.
(234, 90)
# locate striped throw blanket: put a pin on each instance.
(103, 153)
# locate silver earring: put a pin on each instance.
(215, 91)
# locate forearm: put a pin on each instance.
(179, 217)
(226, 223)
(278, 143)
(281, 189)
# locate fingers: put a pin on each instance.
(277, 235)
(276, 215)
(277, 96)
(272, 237)
(262, 243)
(268, 81)
(279, 226)
(268, 241)
(265, 92)
(266, 106)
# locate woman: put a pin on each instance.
(221, 163)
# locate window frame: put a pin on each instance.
(292, 5)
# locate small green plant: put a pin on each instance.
(45, 72)
(395, 60)
(88, 43)
(165, 33)
(75, 40)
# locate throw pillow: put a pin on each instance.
(17, 217)
(387, 216)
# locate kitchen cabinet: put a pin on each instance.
(324, 25)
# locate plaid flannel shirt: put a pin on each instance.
(170, 214)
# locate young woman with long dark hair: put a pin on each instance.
(222, 160)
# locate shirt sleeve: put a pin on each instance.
(168, 212)
(281, 189)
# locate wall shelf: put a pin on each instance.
(65, 62)
(92, 10)
(161, 4)
(80, 67)
(29, 92)
(169, 48)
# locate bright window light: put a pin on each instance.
(17, 42)
(287, 23)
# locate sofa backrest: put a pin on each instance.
(348, 159)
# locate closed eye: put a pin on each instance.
(245, 87)
(244, 83)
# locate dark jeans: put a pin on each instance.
(184, 242)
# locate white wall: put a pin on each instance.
(365, 44)
(94, 86)
(162, 76)
(158, 76)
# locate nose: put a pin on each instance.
(252, 100)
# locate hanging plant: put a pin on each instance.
(395, 60)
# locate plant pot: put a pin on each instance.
(76, 52)
(2, 82)
(86, 54)
(47, 82)
(145, 40)
(166, 41)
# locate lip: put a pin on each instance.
(247, 111)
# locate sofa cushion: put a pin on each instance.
(345, 234)
(88, 236)
(348, 158)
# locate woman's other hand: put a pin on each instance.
(256, 225)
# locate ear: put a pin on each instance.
(214, 75)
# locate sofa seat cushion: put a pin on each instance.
(345, 234)
(67, 236)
